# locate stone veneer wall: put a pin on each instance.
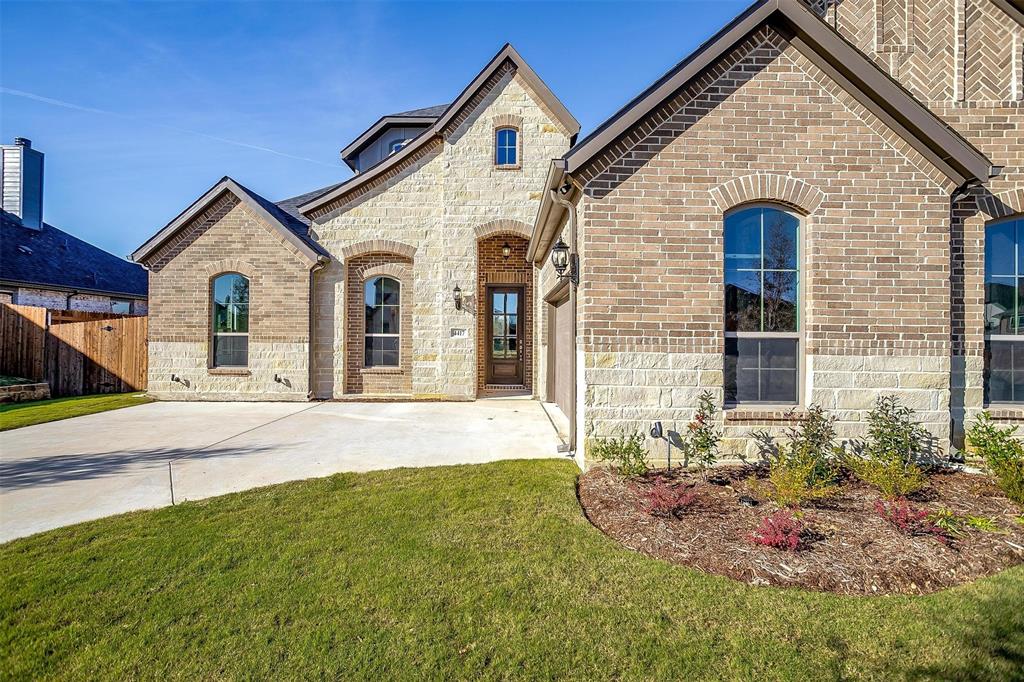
(439, 204)
(875, 244)
(228, 237)
(493, 268)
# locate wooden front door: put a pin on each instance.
(505, 335)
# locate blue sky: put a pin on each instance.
(141, 106)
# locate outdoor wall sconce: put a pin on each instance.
(506, 250)
(457, 297)
(565, 263)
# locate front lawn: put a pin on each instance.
(16, 415)
(453, 572)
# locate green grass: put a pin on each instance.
(16, 415)
(486, 571)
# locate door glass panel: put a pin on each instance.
(512, 305)
(512, 325)
(499, 348)
(499, 325)
(497, 303)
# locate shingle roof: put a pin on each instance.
(292, 221)
(291, 229)
(434, 111)
(291, 205)
(53, 257)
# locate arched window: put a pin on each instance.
(230, 324)
(506, 147)
(1004, 307)
(382, 296)
(762, 306)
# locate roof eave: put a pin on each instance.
(226, 184)
(550, 216)
(436, 128)
(380, 126)
(946, 149)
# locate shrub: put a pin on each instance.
(781, 530)
(700, 442)
(894, 446)
(1003, 454)
(909, 519)
(626, 453)
(804, 467)
(955, 525)
(667, 500)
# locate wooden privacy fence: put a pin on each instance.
(106, 354)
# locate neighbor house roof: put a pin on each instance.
(292, 229)
(854, 71)
(414, 117)
(436, 128)
(52, 258)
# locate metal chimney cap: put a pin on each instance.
(23, 142)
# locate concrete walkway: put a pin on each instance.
(78, 469)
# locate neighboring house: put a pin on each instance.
(820, 205)
(41, 265)
(350, 291)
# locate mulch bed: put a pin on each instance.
(849, 548)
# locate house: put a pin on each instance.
(41, 265)
(819, 205)
(407, 281)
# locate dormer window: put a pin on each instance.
(506, 147)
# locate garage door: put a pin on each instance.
(560, 355)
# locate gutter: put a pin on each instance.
(570, 207)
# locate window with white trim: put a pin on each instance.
(506, 147)
(382, 298)
(230, 323)
(1004, 300)
(762, 306)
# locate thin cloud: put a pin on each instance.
(92, 110)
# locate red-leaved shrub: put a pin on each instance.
(909, 519)
(781, 530)
(665, 500)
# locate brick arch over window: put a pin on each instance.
(1004, 204)
(503, 226)
(231, 265)
(768, 187)
(378, 246)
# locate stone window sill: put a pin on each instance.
(508, 168)
(1013, 415)
(766, 416)
(229, 371)
(381, 370)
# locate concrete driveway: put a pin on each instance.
(88, 467)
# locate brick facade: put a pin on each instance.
(765, 125)
(494, 269)
(228, 237)
(360, 379)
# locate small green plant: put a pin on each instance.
(1003, 453)
(700, 442)
(955, 525)
(983, 523)
(626, 453)
(804, 466)
(895, 445)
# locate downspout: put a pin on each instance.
(320, 265)
(573, 284)
(67, 299)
